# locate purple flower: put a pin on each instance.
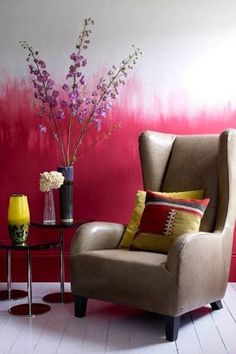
(42, 128)
(50, 84)
(41, 64)
(45, 73)
(60, 114)
(63, 103)
(72, 68)
(73, 97)
(108, 105)
(75, 57)
(41, 78)
(65, 87)
(68, 76)
(31, 69)
(55, 93)
(36, 72)
(82, 81)
(51, 101)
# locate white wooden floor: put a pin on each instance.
(110, 328)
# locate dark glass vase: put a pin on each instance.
(66, 194)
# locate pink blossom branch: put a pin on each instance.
(83, 109)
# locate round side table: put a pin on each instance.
(28, 309)
(62, 296)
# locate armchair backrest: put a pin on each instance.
(173, 163)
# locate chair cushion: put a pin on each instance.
(138, 279)
(133, 224)
(165, 218)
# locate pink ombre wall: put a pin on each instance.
(184, 83)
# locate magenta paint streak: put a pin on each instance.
(107, 176)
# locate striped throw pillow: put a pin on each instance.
(134, 221)
(164, 219)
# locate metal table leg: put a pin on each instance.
(11, 294)
(62, 266)
(29, 283)
(62, 296)
(30, 309)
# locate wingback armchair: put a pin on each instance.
(195, 271)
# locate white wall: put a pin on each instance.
(189, 46)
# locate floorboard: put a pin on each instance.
(110, 328)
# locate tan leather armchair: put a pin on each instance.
(195, 271)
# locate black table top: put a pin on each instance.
(29, 245)
(37, 244)
(74, 224)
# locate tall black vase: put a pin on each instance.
(66, 194)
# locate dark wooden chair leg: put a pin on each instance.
(80, 303)
(217, 305)
(172, 327)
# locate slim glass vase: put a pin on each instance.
(49, 216)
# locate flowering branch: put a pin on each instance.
(77, 77)
(45, 93)
(104, 92)
(76, 106)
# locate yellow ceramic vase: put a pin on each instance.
(18, 218)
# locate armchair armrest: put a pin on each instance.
(198, 258)
(96, 235)
(195, 250)
(197, 263)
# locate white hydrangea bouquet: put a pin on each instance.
(47, 182)
(50, 180)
